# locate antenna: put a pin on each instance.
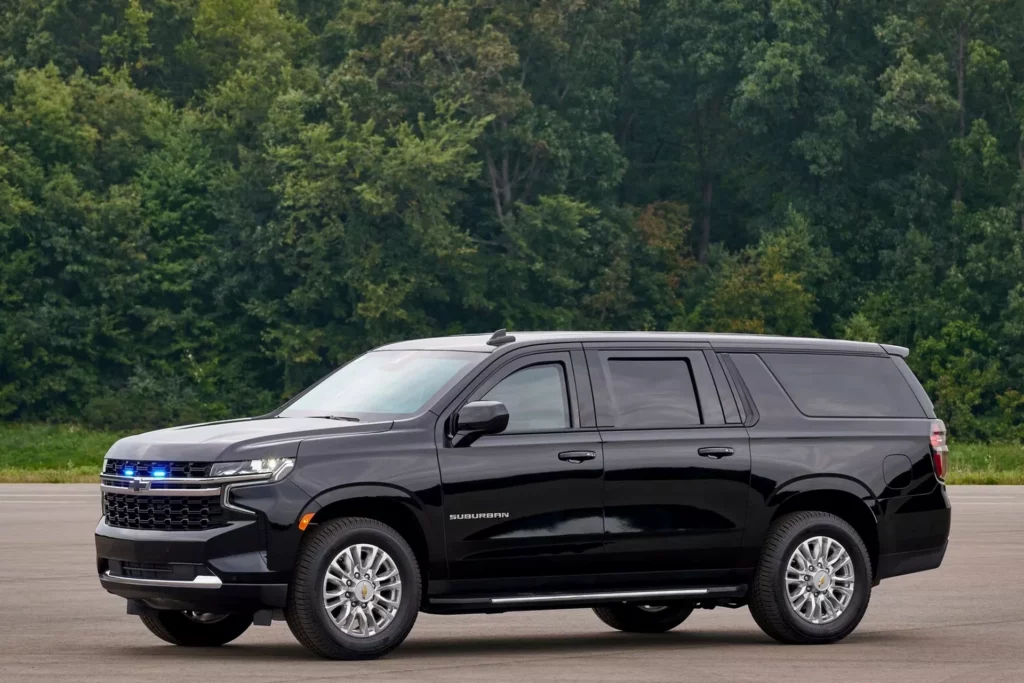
(500, 337)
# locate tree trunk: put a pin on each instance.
(961, 77)
(706, 188)
(492, 173)
(703, 119)
(1020, 181)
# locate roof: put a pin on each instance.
(721, 342)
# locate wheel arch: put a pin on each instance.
(392, 505)
(847, 498)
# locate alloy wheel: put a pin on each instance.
(362, 590)
(820, 580)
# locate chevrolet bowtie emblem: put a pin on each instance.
(138, 485)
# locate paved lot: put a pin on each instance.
(963, 622)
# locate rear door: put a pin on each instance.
(676, 473)
(526, 503)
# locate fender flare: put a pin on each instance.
(380, 491)
(811, 483)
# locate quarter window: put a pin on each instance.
(653, 393)
(844, 386)
(536, 398)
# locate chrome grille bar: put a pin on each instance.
(189, 480)
(171, 492)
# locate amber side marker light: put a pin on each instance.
(306, 519)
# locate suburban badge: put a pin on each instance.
(480, 515)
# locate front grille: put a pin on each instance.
(169, 513)
(142, 468)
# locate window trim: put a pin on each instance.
(748, 409)
(706, 393)
(731, 411)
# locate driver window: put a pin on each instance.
(536, 398)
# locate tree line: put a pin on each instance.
(207, 204)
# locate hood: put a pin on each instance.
(247, 439)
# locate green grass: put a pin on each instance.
(52, 453)
(974, 463)
(68, 453)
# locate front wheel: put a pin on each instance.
(644, 618)
(355, 593)
(813, 581)
(195, 629)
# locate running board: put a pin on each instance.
(568, 599)
(574, 597)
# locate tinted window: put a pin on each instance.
(844, 386)
(652, 393)
(535, 397)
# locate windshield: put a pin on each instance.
(384, 385)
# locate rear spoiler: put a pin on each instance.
(893, 350)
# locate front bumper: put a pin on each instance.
(213, 570)
(235, 597)
(244, 566)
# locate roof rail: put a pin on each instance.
(500, 337)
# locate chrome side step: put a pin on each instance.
(202, 581)
(631, 595)
(500, 603)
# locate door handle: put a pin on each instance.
(715, 452)
(576, 456)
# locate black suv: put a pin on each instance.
(641, 474)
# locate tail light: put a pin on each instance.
(940, 449)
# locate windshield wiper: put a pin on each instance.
(345, 418)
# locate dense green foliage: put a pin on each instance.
(206, 204)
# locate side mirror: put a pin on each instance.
(479, 418)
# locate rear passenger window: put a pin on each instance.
(652, 393)
(844, 386)
(535, 397)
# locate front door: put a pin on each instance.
(676, 476)
(525, 503)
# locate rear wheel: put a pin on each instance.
(633, 618)
(355, 593)
(813, 581)
(196, 629)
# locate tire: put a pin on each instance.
(307, 612)
(179, 628)
(770, 602)
(633, 618)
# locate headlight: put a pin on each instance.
(272, 468)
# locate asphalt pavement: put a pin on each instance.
(962, 622)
